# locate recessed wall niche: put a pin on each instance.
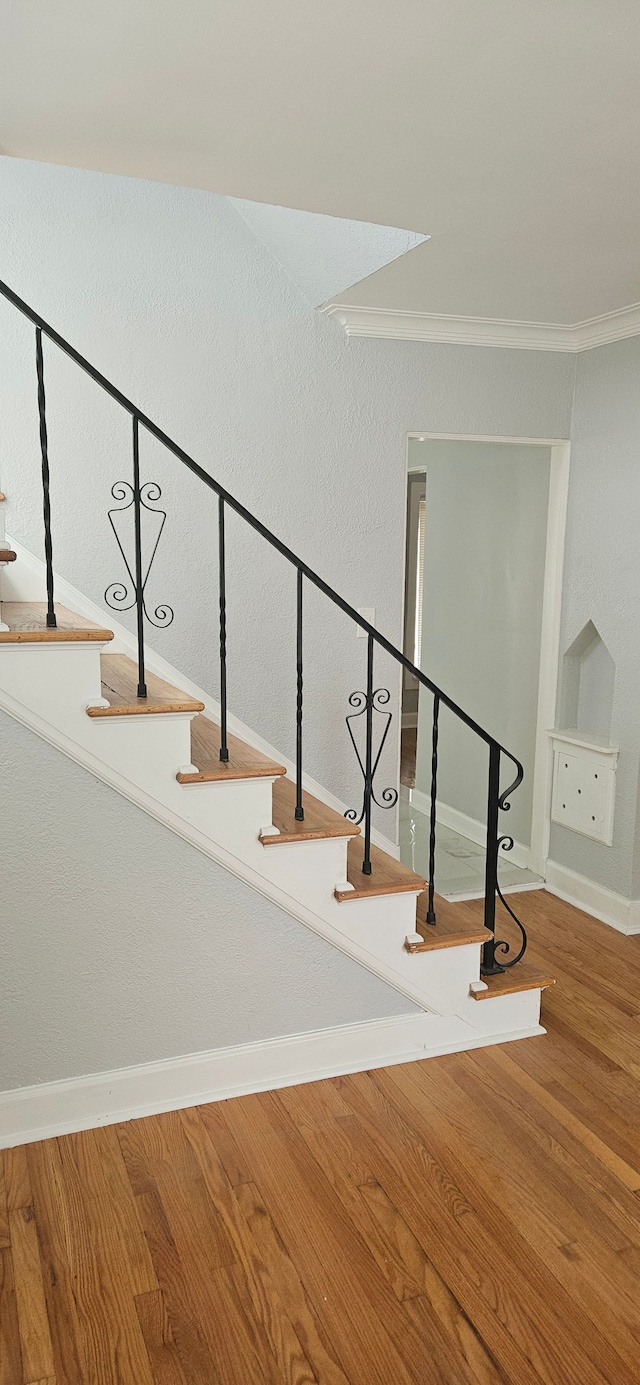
(588, 681)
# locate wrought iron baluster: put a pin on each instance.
(489, 965)
(431, 913)
(366, 703)
(46, 499)
(222, 575)
(368, 762)
(124, 595)
(139, 580)
(498, 801)
(299, 807)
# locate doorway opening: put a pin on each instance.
(483, 567)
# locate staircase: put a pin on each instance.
(97, 693)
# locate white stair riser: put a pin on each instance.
(504, 1011)
(145, 748)
(233, 813)
(307, 870)
(448, 973)
(53, 680)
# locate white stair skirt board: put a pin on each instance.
(471, 828)
(620, 913)
(82, 1103)
(26, 581)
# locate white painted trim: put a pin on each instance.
(82, 1103)
(486, 331)
(549, 653)
(424, 436)
(604, 904)
(549, 635)
(471, 828)
(124, 642)
(597, 746)
(409, 720)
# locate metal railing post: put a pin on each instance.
(489, 966)
(299, 681)
(139, 583)
(431, 913)
(222, 578)
(46, 499)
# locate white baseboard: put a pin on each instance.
(82, 1103)
(460, 896)
(471, 828)
(620, 913)
(27, 583)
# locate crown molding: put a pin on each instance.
(486, 331)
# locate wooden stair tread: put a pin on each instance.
(388, 876)
(522, 977)
(244, 762)
(7, 555)
(453, 927)
(27, 621)
(119, 688)
(320, 821)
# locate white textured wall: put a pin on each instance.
(324, 255)
(122, 944)
(169, 293)
(602, 584)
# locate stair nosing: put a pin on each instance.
(317, 835)
(343, 895)
(229, 775)
(481, 935)
(540, 983)
(154, 709)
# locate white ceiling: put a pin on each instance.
(508, 130)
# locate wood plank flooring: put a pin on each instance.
(467, 1220)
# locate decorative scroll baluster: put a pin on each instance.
(366, 703)
(222, 582)
(139, 580)
(431, 913)
(489, 965)
(498, 801)
(123, 596)
(46, 501)
(368, 762)
(299, 808)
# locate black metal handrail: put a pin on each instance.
(497, 800)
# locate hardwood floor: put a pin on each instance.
(467, 1220)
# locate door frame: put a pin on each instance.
(536, 856)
